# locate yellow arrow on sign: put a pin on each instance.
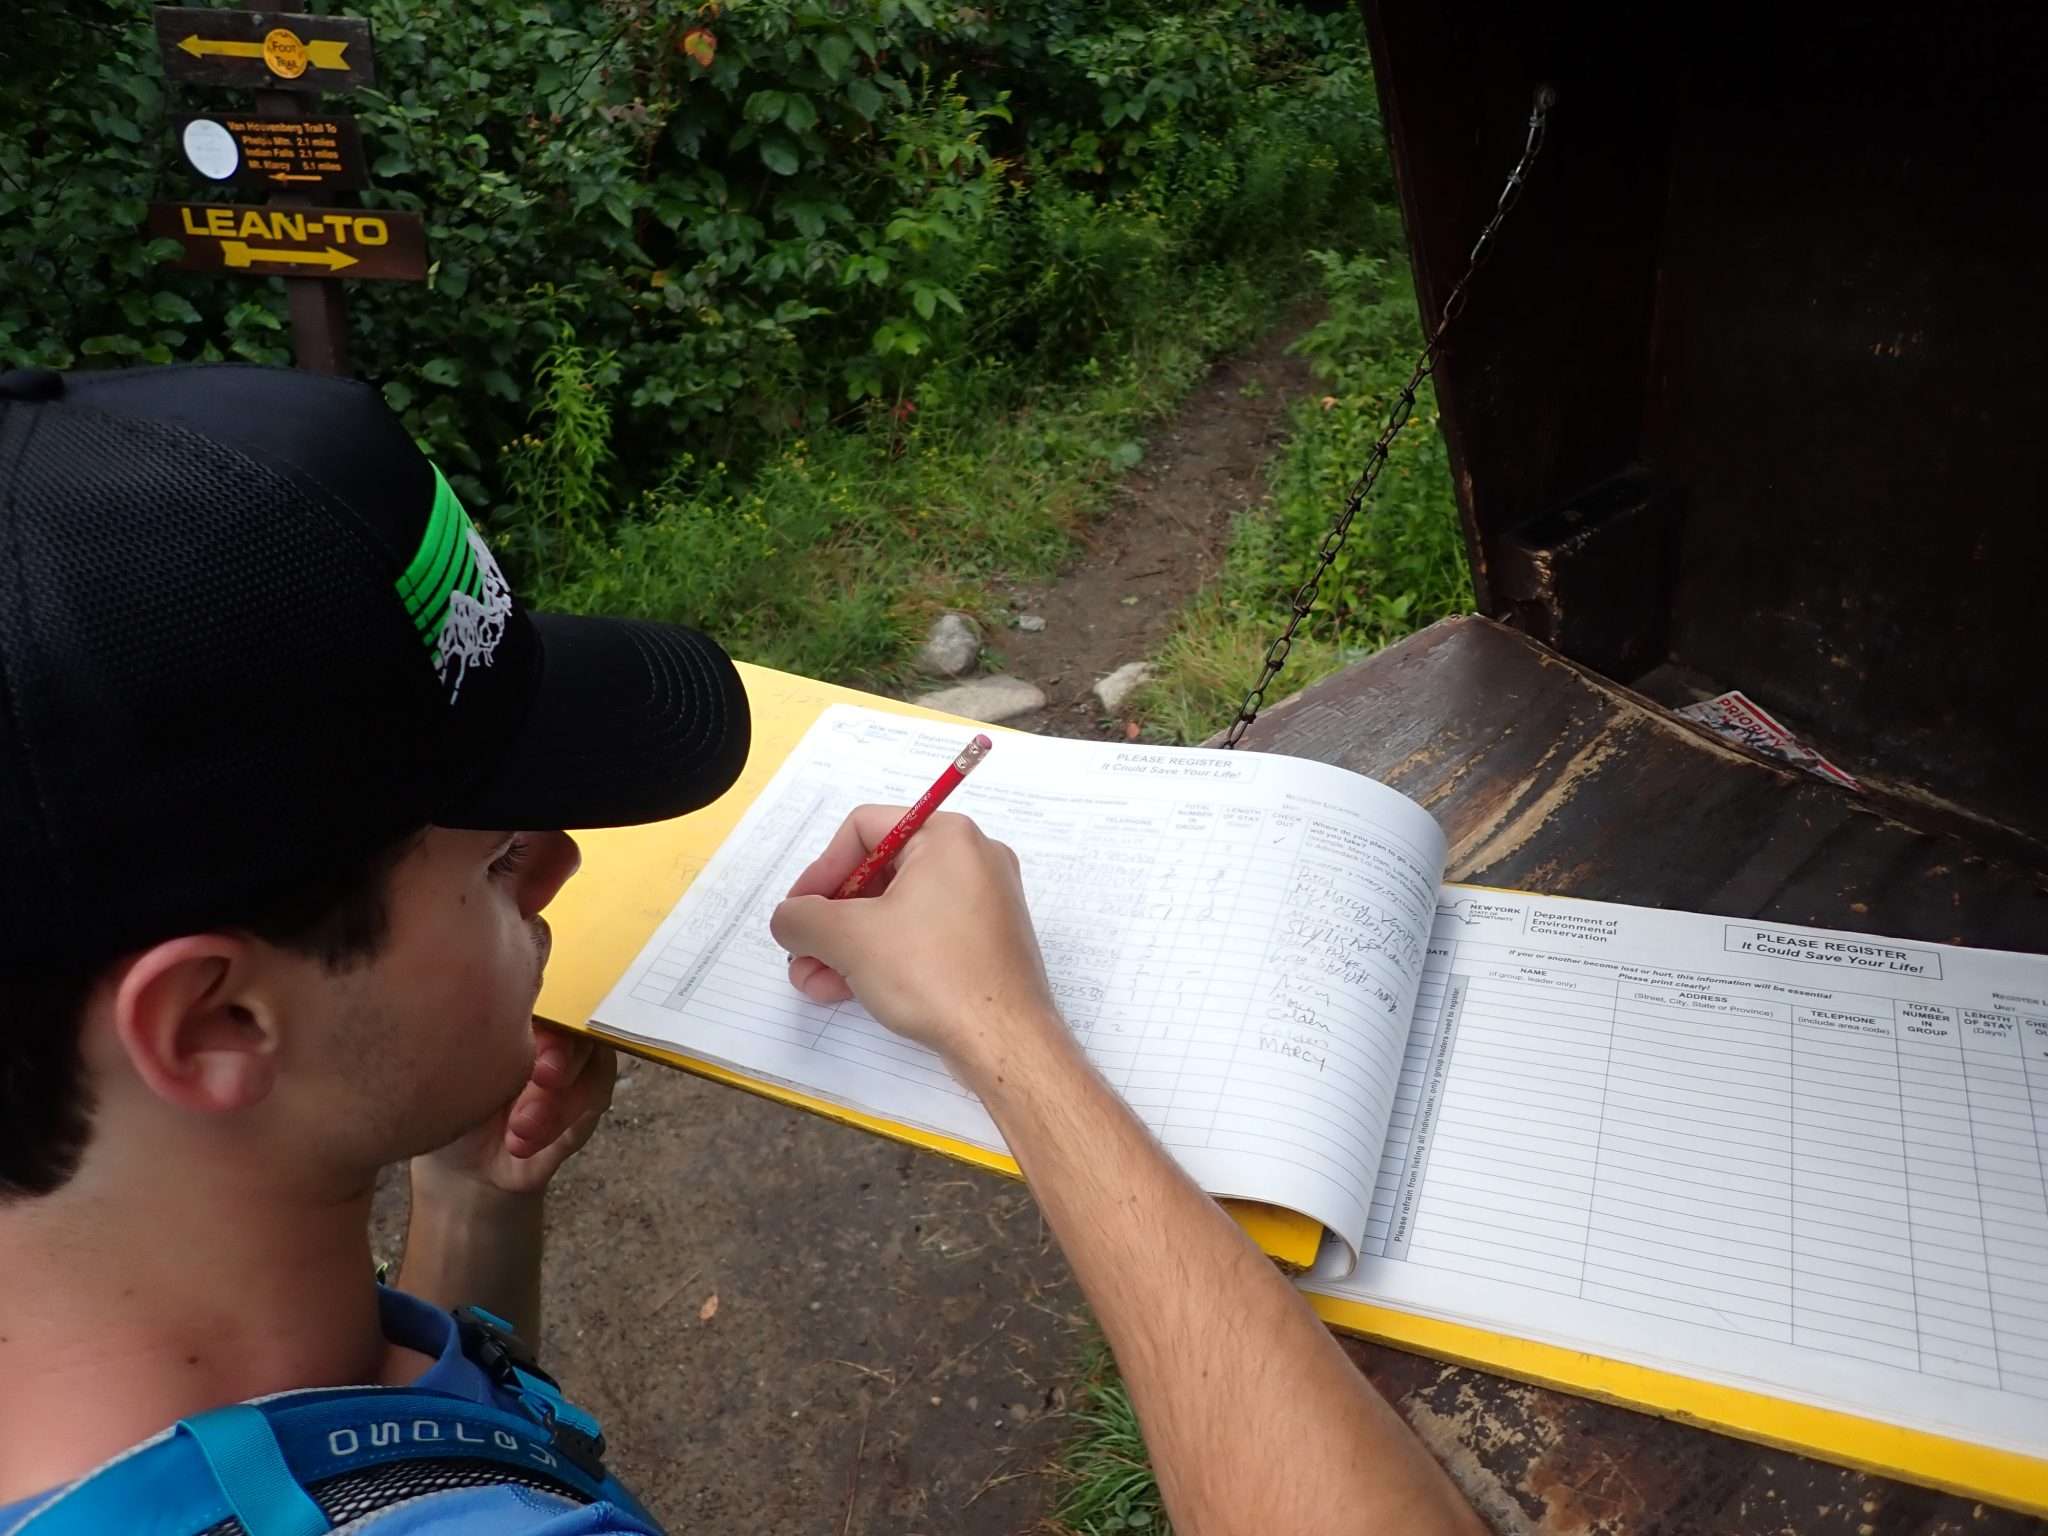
(239, 253)
(290, 176)
(326, 53)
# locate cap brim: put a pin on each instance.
(630, 723)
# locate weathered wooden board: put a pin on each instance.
(1547, 777)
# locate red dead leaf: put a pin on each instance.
(699, 45)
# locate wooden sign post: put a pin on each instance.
(292, 150)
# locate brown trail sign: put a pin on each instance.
(294, 242)
(290, 148)
(269, 50)
(280, 154)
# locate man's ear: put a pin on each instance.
(196, 1034)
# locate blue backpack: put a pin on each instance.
(492, 1446)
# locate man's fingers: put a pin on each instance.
(535, 1119)
(572, 1077)
(559, 1058)
(865, 826)
(831, 931)
(818, 981)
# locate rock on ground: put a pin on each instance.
(952, 647)
(987, 698)
(1116, 689)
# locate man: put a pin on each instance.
(272, 730)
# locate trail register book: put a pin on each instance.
(1782, 1180)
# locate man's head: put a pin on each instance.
(268, 710)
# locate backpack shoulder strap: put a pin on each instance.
(249, 1469)
(263, 1463)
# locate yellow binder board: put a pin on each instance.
(632, 876)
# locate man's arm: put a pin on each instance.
(478, 1204)
(466, 1246)
(1255, 1420)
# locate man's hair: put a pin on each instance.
(340, 917)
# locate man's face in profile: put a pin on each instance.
(404, 1052)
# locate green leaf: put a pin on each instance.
(835, 54)
(101, 346)
(926, 302)
(866, 100)
(444, 371)
(115, 126)
(397, 394)
(800, 115)
(897, 336)
(779, 155)
(766, 106)
(171, 307)
(809, 218)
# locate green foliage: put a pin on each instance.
(1403, 565)
(831, 557)
(81, 283)
(1110, 1490)
(763, 213)
(775, 317)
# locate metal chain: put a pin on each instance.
(1397, 418)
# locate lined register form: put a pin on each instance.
(1236, 940)
(1802, 1162)
(1780, 1158)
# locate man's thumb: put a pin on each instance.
(832, 931)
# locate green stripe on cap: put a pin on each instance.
(452, 558)
(426, 580)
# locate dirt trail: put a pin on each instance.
(789, 1326)
(1159, 542)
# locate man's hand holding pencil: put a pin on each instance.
(941, 951)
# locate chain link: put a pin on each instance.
(1397, 418)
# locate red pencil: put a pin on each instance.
(856, 884)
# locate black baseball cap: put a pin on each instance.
(247, 631)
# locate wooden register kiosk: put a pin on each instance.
(1750, 395)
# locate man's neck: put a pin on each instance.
(131, 1299)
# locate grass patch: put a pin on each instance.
(1109, 1487)
(1404, 564)
(832, 558)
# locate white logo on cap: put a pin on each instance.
(473, 626)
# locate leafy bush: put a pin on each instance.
(791, 318)
(762, 215)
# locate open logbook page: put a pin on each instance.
(1803, 1162)
(1236, 939)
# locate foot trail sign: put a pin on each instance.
(269, 50)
